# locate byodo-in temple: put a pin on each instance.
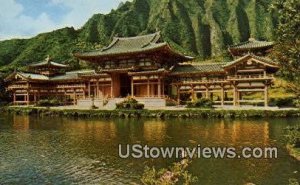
(151, 71)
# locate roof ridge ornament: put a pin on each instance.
(251, 39)
(48, 59)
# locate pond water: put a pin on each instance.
(48, 150)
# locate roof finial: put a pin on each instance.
(251, 39)
(48, 59)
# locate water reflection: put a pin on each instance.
(21, 122)
(154, 132)
(86, 151)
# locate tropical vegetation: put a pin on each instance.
(176, 174)
(293, 141)
(201, 103)
(130, 104)
(287, 49)
(4, 97)
(202, 28)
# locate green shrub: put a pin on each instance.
(49, 103)
(131, 104)
(200, 103)
(297, 102)
(176, 174)
(293, 136)
(293, 181)
(171, 103)
(282, 102)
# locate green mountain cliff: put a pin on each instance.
(202, 28)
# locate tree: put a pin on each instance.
(3, 94)
(287, 49)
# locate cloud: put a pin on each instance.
(14, 22)
(81, 10)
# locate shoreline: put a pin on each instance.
(161, 114)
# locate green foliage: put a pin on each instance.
(176, 174)
(293, 136)
(190, 113)
(130, 104)
(293, 182)
(201, 103)
(171, 103)
(4, 97)
(287, 50)
(296, 103)
(282, 102)
(201, 28)
(49, 103)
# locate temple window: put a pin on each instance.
(145, 62)
(109, 64)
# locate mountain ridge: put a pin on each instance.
(203, 28)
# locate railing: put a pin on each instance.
(202, 81)
(241, 77)
(18, 87)
(70, 86)
(151, 96)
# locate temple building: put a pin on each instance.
(151, 71)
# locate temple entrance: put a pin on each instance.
(125, 85)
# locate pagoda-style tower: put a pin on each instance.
(48, 67)
(252, 46)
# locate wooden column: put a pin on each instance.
(97, 91)
(238, 98)
(159, 88)
(163, 87)
(234, 95)
(89, 90)
(222, 96)
(266, 95)
(34, 98)
(28, 98)
(74, 92)
(111, 88)
(193, 93)
(148, 87)
(206, 92)
(178, 95)
(132, 87)
(15, 98)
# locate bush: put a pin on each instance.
(176, 174)
(49, 103)
(282, 102)
(293, 136)
(297, 102)
(131, 104)
(171, 103)
(201, 103)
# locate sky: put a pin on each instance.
(27, 18)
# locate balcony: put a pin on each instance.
(18, 87)
(250, 77)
